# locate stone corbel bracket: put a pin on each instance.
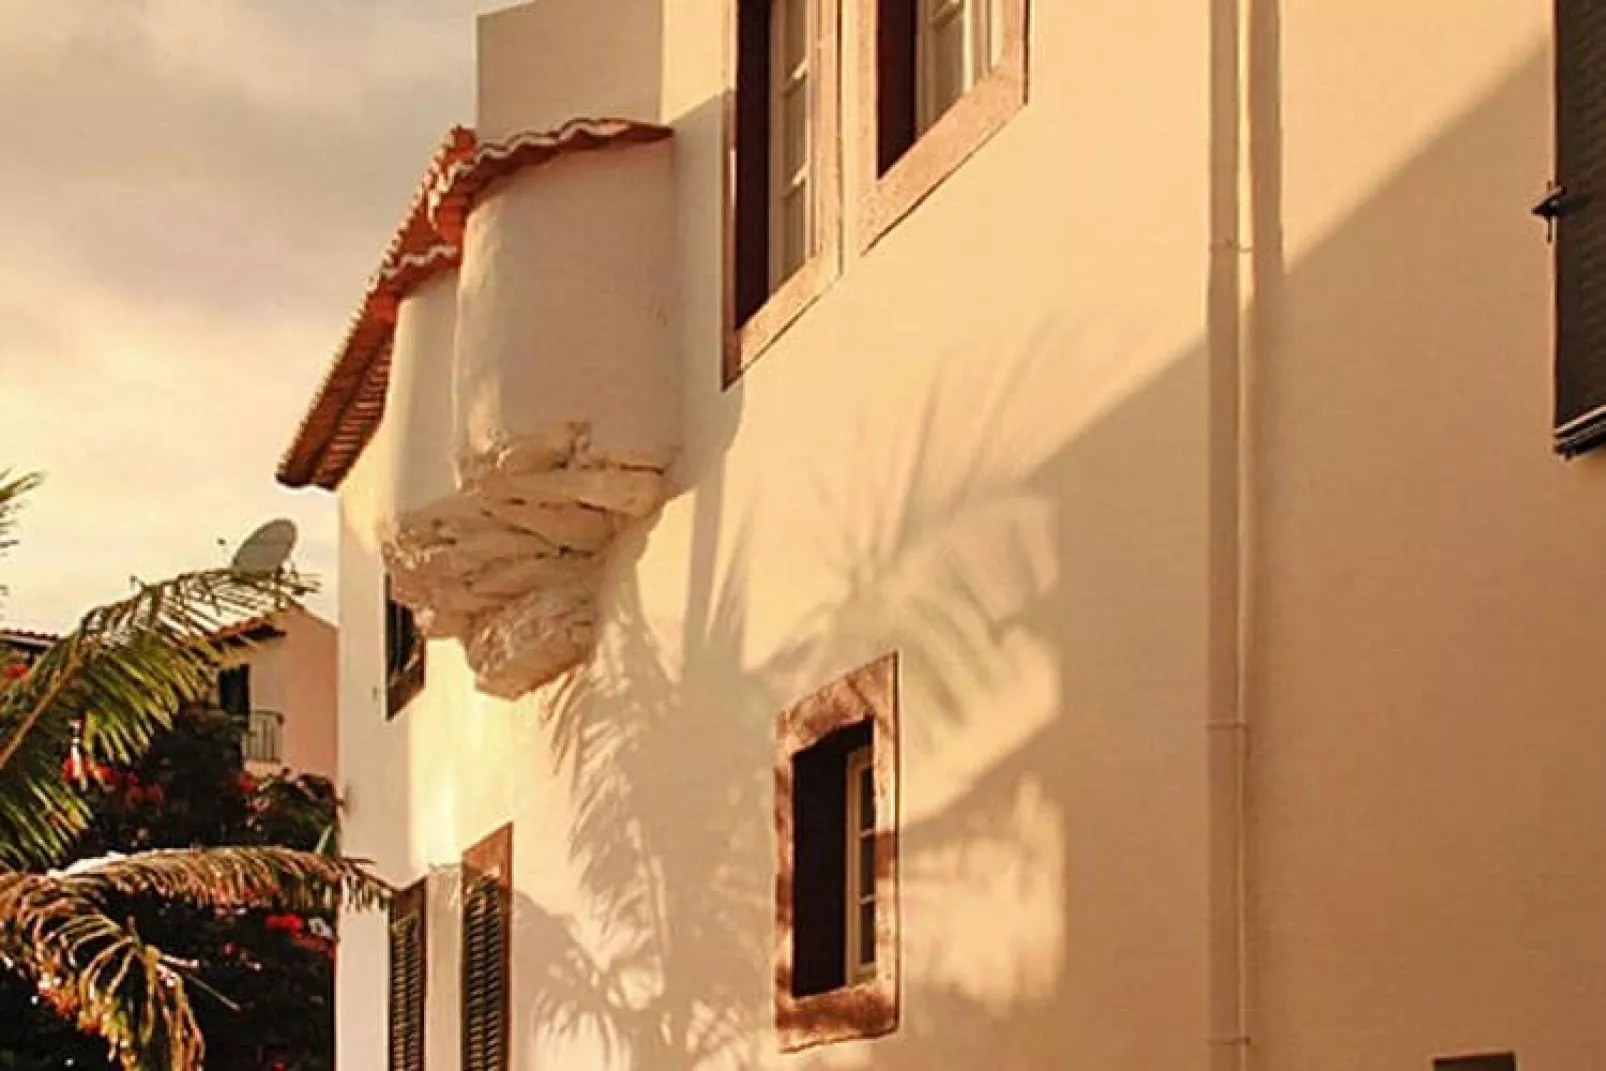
(510, 565)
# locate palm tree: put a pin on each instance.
(100, 694)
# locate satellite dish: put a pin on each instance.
(265, 550)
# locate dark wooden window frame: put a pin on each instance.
(746, 340)
(409, 905)
(491, 858)
(877, 201)
(867, 1008)
(404, 681)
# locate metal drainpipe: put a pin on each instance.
(1245, 267)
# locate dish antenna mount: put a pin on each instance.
(266, 550)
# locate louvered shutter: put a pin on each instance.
(486, 953)
(407, 952)
(1580, 212)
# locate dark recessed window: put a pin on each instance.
(836, 906)
(404, 655)
(833, 892)
(1498, 1061)
(408, 952)
(234, 690)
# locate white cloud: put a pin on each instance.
(192, 195)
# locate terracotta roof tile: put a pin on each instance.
(350, 403)
(21, 637)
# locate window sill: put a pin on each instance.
(748, 342)
(882, 201)
(867, 1009)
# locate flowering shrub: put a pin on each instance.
(267, 999)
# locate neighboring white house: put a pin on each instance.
(985, 534)
(280, 675)
(277, 674)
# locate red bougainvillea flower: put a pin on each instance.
(14, 672)
(246, 783)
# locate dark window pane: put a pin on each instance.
(867, 798)
(819, 880)
(867, 932)
(752, 283)
(234, 690)
(867, 866)
(895, 80)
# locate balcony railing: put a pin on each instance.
(264, 736)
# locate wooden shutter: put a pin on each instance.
(487, 933)
(407, 957)
(1580, 211)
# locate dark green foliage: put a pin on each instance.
(263, 987)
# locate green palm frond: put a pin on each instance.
(56, 929)
(281, 879)
(12, 488)
(118, 678)
(99, 973)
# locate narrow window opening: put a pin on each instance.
(753, 157)
(234, 690)
(404, 655)
(833, 892)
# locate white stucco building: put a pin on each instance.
(983, 534)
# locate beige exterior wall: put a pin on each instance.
(1427, 832)
(985, 446)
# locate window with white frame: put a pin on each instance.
(935, 80)
(957, 43)
(791, 211)
(834, 887)
(783, 206)
(861, 895)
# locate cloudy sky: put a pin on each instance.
(192, 193)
